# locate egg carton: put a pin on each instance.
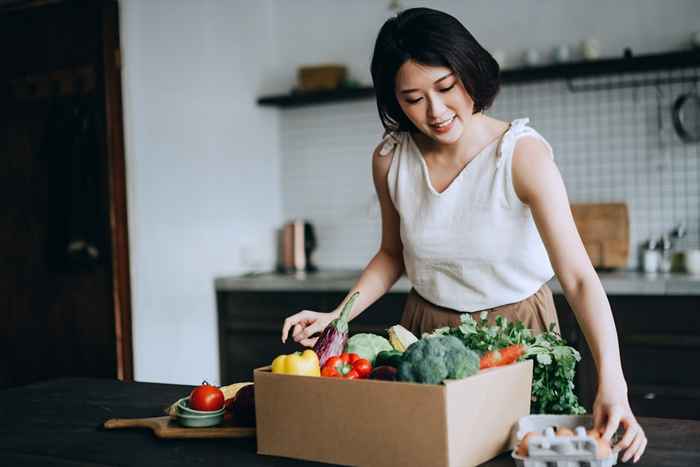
(549, 450)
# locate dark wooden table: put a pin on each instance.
(59, 422)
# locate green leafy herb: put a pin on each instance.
(554, 361)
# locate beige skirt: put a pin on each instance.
(536, 312)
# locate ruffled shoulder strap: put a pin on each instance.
(518, 128)
(389, 142)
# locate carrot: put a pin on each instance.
(503, 356)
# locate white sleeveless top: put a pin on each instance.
(475, 245)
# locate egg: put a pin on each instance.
(523, 447)
(564, 431)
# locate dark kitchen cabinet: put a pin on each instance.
(659, 346)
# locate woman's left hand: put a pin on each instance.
(611, 409)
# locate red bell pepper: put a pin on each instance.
(347, 366)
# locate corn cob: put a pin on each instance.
(400, 337)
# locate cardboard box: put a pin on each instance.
(383, 423)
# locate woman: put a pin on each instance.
(474, 210)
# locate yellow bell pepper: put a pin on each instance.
(299, 363)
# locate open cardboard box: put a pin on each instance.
(383, 423)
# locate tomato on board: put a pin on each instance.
(206, 397)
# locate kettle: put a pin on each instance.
(297, 241)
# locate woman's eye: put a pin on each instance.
(449, 88)
(414, 101)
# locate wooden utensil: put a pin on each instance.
(604, 230)
(167, 427)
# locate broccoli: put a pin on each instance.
(434, 359)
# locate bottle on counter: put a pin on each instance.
(666, 249)
(651, 257)
(678, 237)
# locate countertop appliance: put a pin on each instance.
(297, 242)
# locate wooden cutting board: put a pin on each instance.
(604, 229)
(167, 427)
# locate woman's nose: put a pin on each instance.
(436, 107)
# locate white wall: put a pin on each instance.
(202, 171)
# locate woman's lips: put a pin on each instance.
(445, 127)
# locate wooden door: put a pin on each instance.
(63, 244)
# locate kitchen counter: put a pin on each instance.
(615, 283)
(59, 422)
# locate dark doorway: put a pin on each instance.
(64, 270)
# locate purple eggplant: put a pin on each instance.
(333, 339)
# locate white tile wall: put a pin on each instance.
(608, 145)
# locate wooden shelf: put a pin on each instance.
(564, 71)
(310, 98)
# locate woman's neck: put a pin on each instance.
(478, 133)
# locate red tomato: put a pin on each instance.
(353, 357)
(363, 367)
(352, 374)
(206, 397)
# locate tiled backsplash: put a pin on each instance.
(610, 145)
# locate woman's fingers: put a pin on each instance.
(298, 333)
(288, 323)
(309, 342)
(631, 435)
(630, 432)
(641, 450)
(313, 328)
(293, 320)
(612, 422)
(598, 418)
(634, 448)
(310, 328)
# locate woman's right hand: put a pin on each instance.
(305, 325)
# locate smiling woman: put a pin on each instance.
(474, 210)
(436, 41)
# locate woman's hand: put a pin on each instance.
(305, 324)
(611, 409)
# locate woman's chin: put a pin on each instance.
(448, 137)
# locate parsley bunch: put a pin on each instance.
(554, 361)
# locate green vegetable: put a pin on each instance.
(434, 359)
(367, 345)
(389, 357)
(554, 361)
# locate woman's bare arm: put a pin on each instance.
(380, 274)
(539, 184)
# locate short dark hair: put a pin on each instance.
(431, 38)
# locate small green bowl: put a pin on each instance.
(183, 407)
(200, 421)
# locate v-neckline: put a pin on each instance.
(426, 171)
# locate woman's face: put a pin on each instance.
(434, 99)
